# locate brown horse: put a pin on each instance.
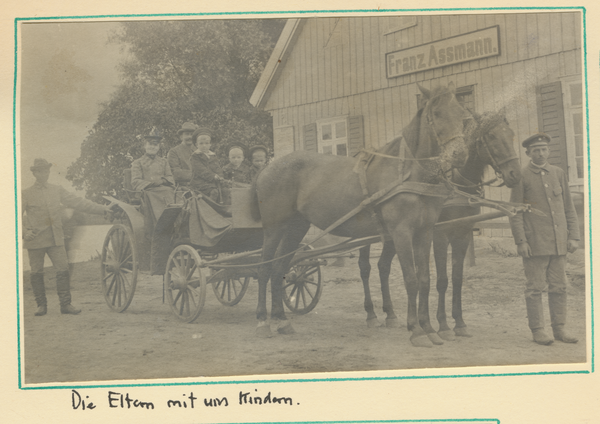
(306, 188)
(490, 141)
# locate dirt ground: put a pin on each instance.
(146, 341)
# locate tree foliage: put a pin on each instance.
(177, 71)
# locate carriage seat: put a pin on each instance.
(133, 197)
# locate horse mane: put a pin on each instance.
(484, 123)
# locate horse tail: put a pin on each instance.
(254, 208)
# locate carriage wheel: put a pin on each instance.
(119, 267)
(231, 288)
(302, 287)
(184, 286)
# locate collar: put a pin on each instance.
(37, 184)
(150, 156)
(538, 168)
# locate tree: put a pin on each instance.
(177, 71)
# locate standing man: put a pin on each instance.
(179, 156)
(543, 241)
(42, 205)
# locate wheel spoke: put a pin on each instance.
(298, 296)
(112, 284)
(177, 298)
(110, 274)
(191, 272)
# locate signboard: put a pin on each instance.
(283, 141)
(450, 51)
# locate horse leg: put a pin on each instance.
(422, 254)
(272, 238)
(459, 251)
(385, 265)
(440, 253)
(297, 229)
(403, 241)
(364, 264)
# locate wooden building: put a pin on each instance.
(336, 84)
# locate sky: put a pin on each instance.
(66, 71)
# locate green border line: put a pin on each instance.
(295, 380)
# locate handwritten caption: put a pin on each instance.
(117, 400)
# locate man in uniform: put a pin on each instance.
(152, 175)
(179, 156)
(42, 205)
(543, 241)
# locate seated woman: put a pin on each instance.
(237, 170)
(151, 174)
(207, 173)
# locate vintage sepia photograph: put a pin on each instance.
(210, 197)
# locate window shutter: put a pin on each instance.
(551, 120)
(310, 137)
(356, 135)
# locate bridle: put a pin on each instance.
(431, 123)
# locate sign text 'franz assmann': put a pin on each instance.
(462, 48)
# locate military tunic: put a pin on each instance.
(546, 189)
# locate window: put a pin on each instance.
(573, 106)
(332, 137)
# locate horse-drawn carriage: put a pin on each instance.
(396, 193)
(193, 246)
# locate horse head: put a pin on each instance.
(442, 119)
(493, 143)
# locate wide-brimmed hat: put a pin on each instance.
(154, 136)
(40, 163)
(539, 138)
(201, 131)
(257, 147)
(187, 127)
(237, 145)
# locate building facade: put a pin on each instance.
(335, 85)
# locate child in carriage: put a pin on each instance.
(258, 156)
(237, 170)
(207, 173)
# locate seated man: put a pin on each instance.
(179, 156)
(152, 175)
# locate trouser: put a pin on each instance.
(58, 257)
(546, 272)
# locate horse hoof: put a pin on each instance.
(391, 323)
(447, 335)
(421, 341)
(462, 332)
(435, 339)
(373, 323)
(285, 327)
(263, 331)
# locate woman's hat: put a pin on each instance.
(40, 164)
(187, 127)
(153, 136)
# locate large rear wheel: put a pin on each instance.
(119, 267)
(184, 286)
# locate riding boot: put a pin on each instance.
(535, 314)
(39, 292)
(558, 317)
(63, 288)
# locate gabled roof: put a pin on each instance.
(282, 49)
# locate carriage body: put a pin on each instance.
(192, 246)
